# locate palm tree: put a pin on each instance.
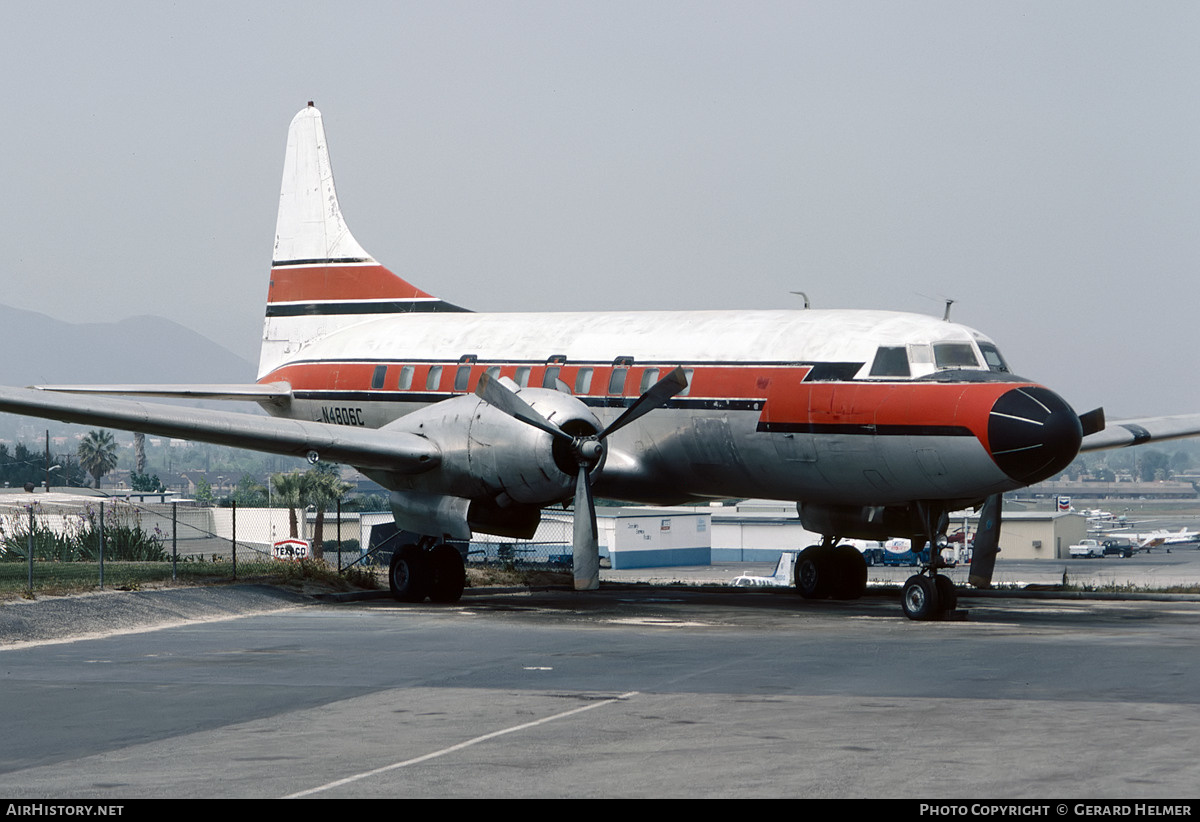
(139, 453)
(289, 491)
(323, 488)
(98, 453)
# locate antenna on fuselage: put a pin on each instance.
(949, 302)
(802, 294)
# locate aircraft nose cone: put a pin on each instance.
(1033, 433)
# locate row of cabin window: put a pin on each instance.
(617, 381)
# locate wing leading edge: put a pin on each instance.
(258, 392)
(398, 451)
(1123, 433)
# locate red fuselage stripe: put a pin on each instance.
(786, 400)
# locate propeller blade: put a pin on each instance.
(656, 396)
(585, 542)
(987, 542)
(1092, 421)
(493, 392)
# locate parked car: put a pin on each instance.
(1118, 547)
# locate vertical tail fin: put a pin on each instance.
(322, 280)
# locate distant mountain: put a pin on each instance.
(39, 349)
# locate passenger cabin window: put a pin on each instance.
(687, 376)
(462, 378)
(616, 383)
(406, 375)
(954, 355)
(493, 372)
(550, 380)
(378, 376)
(890, 362)
(991, 355)
(649, 377)
(522, 375)
(583, 381)
(434, 379)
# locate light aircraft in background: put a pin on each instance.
(1183, 538)
(876, 423)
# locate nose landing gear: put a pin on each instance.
(929, 595)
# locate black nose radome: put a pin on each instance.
(1033, 433)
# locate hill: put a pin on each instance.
(41, 349)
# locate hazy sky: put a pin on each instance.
(1038, 162)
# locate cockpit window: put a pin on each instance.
(991, 355)
(954, 355)
(890, 362)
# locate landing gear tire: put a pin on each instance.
(815, 572)
(449, 577)
(947, 595)
(919, 599)
(409, 574)
(850, 573)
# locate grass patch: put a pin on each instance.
(1128, 588)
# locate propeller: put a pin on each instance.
(987, 542)
(587, 451)
(1092, 422)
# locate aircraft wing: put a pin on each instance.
(361, 447)
(224, 391)
(1122, 433)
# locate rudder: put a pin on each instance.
(322, 280)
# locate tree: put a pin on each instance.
(204, 491)
(139, 453)
(145, 482)
(98, 453)
(1152, 465)
(322, 488)
(249, 493)
(289, 492)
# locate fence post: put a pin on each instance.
(100, 532)
(235, 539)
(174, 536)
(29, 550)
(339, 533)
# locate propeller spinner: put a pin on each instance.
(588, 451)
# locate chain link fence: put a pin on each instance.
(59, 541)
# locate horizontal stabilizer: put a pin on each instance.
(1122, 433)
(255, 392)
(361, 447)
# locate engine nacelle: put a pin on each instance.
(491, 457)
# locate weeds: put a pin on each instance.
(77, 539)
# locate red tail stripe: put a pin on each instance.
(339, 282)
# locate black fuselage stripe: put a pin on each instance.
(322, 261)
(321, 309)
(863, 429)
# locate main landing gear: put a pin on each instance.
(831, 571)
(430, 569)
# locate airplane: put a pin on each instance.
(876, 423)
(1160, 538)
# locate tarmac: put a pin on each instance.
(1158, 570)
